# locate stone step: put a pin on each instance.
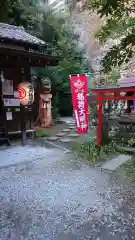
(61, 134)
(54, 138)
(66, 130)
(116, 162)
(71, 124)
(65, 140)
(73, 135)
(72, 127)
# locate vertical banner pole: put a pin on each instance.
(99, 128)
(79, 89)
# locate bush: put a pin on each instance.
(90, 150)
(93, 153)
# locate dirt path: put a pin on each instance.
(57, 197)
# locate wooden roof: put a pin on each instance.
(17, 47)
(9, 57)
(18, 34)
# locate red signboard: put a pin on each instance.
(79, 88)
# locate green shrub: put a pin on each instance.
(131, 142)
(40, 134)
(93, 153)
(90, 150)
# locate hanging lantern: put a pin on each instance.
(26, 93)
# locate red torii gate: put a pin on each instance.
(108, 94)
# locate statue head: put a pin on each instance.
(45, 85)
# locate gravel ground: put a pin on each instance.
(58, 197)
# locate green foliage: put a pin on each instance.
(131, 142)
(111, 78)
(93, 153)
(108, 7)
(6, 7)
(41, 134)
(119, 24)
(26, 13)
(62, 38)
(56, 105)
(90, 150)
(114, 27)
(119, 54)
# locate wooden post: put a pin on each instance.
(23, 126)
(99, 128)
(23, 119)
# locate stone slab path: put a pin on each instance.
(116, 162)
(67, 135)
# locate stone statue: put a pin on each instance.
(45, 112)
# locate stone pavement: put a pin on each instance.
(116, 162)
(16, 155)
(55, 196)
(67, 136)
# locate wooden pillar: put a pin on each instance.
(23, 120)
(25, 76)
(23, 126)
(99, 128)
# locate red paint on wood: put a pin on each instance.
(113, 98)
(99, 129)
(105, 90)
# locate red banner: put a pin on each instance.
(79, 88)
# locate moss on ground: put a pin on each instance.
(41, 133)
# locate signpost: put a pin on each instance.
(79, 89)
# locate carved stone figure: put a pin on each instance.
(45, 113)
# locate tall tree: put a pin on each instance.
(6, 8)
(119, 24)
(63, 39)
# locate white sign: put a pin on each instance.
(9, 115)
(26, 93)
(11, 102)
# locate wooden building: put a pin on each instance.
(19, 52)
